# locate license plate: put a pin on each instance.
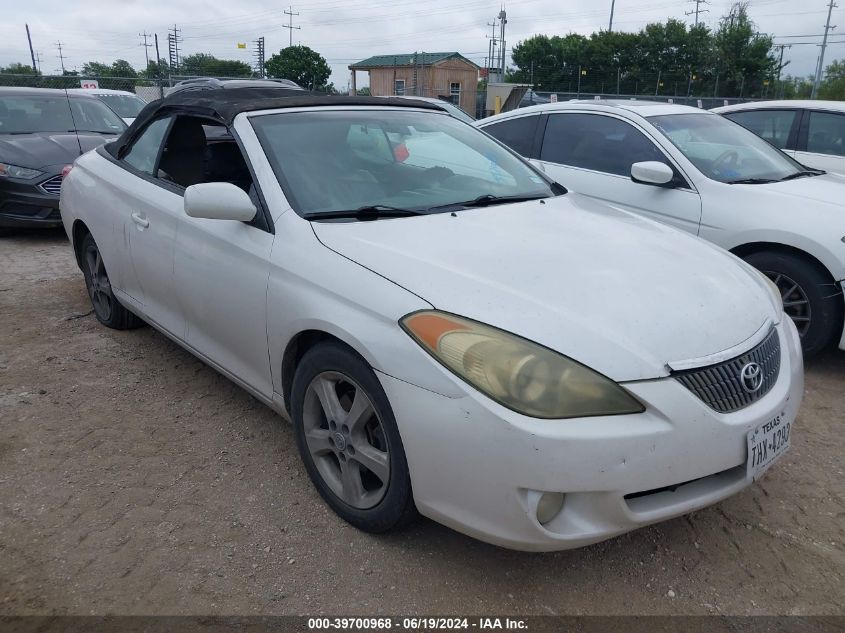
(767, 443)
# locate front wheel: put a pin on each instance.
(107, 309)
(348, 440)
(809, 297)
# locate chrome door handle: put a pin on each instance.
(141, 221)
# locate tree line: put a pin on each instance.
(300, 64)
(734, 59)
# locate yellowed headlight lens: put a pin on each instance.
(521, 375)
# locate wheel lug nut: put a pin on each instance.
(345, 429)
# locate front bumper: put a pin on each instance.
(481, 469)
(24, 204)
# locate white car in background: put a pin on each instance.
(812, 132)
(123, 103)
(706, 175)
(525, 365)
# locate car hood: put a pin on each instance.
(827, 189)
(621, 294)
(47, 148)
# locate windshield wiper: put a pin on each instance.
(369, 212)
(751, 181)
(802, 174)
(488, 199)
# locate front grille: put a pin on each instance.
(53, 186)
(721, 387)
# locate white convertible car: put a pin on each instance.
(704, 174)
(527, 366)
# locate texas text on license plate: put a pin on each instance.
(767, 443)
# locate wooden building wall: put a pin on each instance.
(434, 81)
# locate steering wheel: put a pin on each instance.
(728, 158)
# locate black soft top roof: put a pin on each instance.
(224, 105)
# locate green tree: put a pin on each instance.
(364, 92)
(18, 69)
(744, 56)
(120, 68)
(204, 65)
(301, 64)
(833, 86)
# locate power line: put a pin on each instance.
(820, 67)
(290, 25)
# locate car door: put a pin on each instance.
(153, 208)
(221, 269)
(821, 141)
(592, 154)
(777, 126)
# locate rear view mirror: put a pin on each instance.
(652, 172)
(218, 201)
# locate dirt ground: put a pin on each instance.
(136, 480)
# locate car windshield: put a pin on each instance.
(725, 151)
(25, 114)
(126, 106)
(331, 161)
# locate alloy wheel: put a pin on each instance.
(796, 304)
(346, 440)
(99, 287)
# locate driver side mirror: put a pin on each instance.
(652, 172)
(218, 201)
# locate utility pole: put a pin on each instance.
(820, 67)
(491, 48)
(289, 26)
(61, 56)
(158, 69)
(259, 56)
(610, 24)
(780, 61)
(503, 20)
(31, 52)
(173, 39)
(146, 46)
(698, 9)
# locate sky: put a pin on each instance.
(346, 31)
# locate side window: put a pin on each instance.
(144, 151)
(771, 125)
(596, 142)
(826, 133)
(517, 133)
(399, 87)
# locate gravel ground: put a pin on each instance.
(136, 480)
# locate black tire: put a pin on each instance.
(107, 308)
(824, 299)
(396, 508)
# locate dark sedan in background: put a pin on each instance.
(41, 131)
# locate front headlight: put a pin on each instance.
(13, 171)
(521, 375)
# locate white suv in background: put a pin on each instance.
(812, 132)
(702, 173)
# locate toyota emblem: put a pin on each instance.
(751, 377)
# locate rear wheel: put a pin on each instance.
(348, 440)
(107, 308)
(810, 299)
